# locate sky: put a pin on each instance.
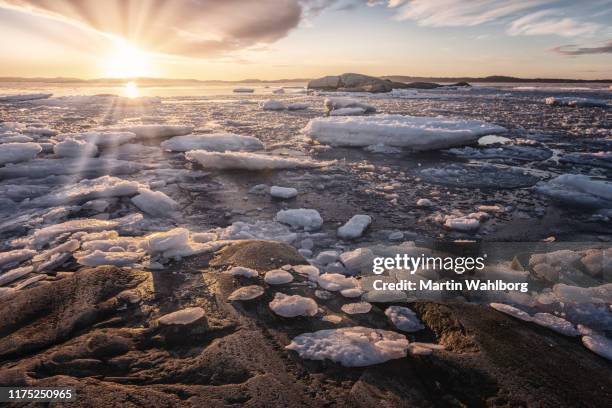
(274, 39)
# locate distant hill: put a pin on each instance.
(397, 78)
(493, 78)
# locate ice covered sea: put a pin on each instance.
(87, 178)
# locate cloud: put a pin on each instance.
(572, 49)
(455, 13)
(193, 28)
(546, 22)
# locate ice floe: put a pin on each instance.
(277, 277)
(75, 148)
(83, 166)
(555, 323)
(337, 103)
(242, 271)
(404, 319)
(247, 161)
(155, 203)
(351, 346)
(578, 190)
(511, 153)
(598, 344)
(297, 106)
(598, 159)
(246, 293)
(293, 306)
(480, 176)
(89, 189)
(273, 105)
(218, 142)
(283, 193)
(154, 131)
(335, 282)
(414, 132)
(511, 310)
(18, 152)
(464, 224)
(347, 112)
(356, 308)
(100, 139)
(98, 257)
(576, 102)
(308, 219)
(183, 317)
(15, 256)
(355, 227)
(243, 90)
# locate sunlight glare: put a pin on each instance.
(131, 90)
(127, 61)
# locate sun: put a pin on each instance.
(127, 61)
(131, 90)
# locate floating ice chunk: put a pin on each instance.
(89, 189)
(284, 193)
(356, 308)
(243, 90)
(511, 310)
(347, 112)
(100, 139)
(351, 292)
(183, 317)
(278, 91)
(335, 103)
(480, 176)
(39, 131)
(44, 235)
(193, 248)
(382, 149)
(246, 293)
(555, 323)
(517, 153)
(355, 227)
(598, 159)
(95, 236)
(418, 133)
(327, 257)
(155, 203)
(576, 294)
(599, 344)
(242, 271)
(247, 161)
(24, 97)
(15, 138)
(293, 306)
(576, 102)
(68, 246)
(277, 277)
(155, 131)
(218, 142)
(384, 296)
(15, 256)
(308, 219)
(358, 260)
(75, 148)
(424, 202)
(404, 319)
(83, 167)
(124, 243)
(272, 104)
(164, 241)
(297, 106)
(334, 282)
(14, 274)
(309, 271)
(463, 224)
(351, 346)
(267, 230)
(98, 257)
(132, 151)
(578, 190)
(18, 152)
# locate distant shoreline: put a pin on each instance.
(398, 78)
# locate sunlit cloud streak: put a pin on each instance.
(572, 49)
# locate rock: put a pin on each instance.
(350, 82)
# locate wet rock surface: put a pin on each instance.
(96, 330)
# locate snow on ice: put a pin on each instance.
(246, 293)
(293, 306)
(578, 190)
(355, 227)
(247, 161)
(404, 319)
(308, 219)
(277, 277)
(351, 346)
(18, 152)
